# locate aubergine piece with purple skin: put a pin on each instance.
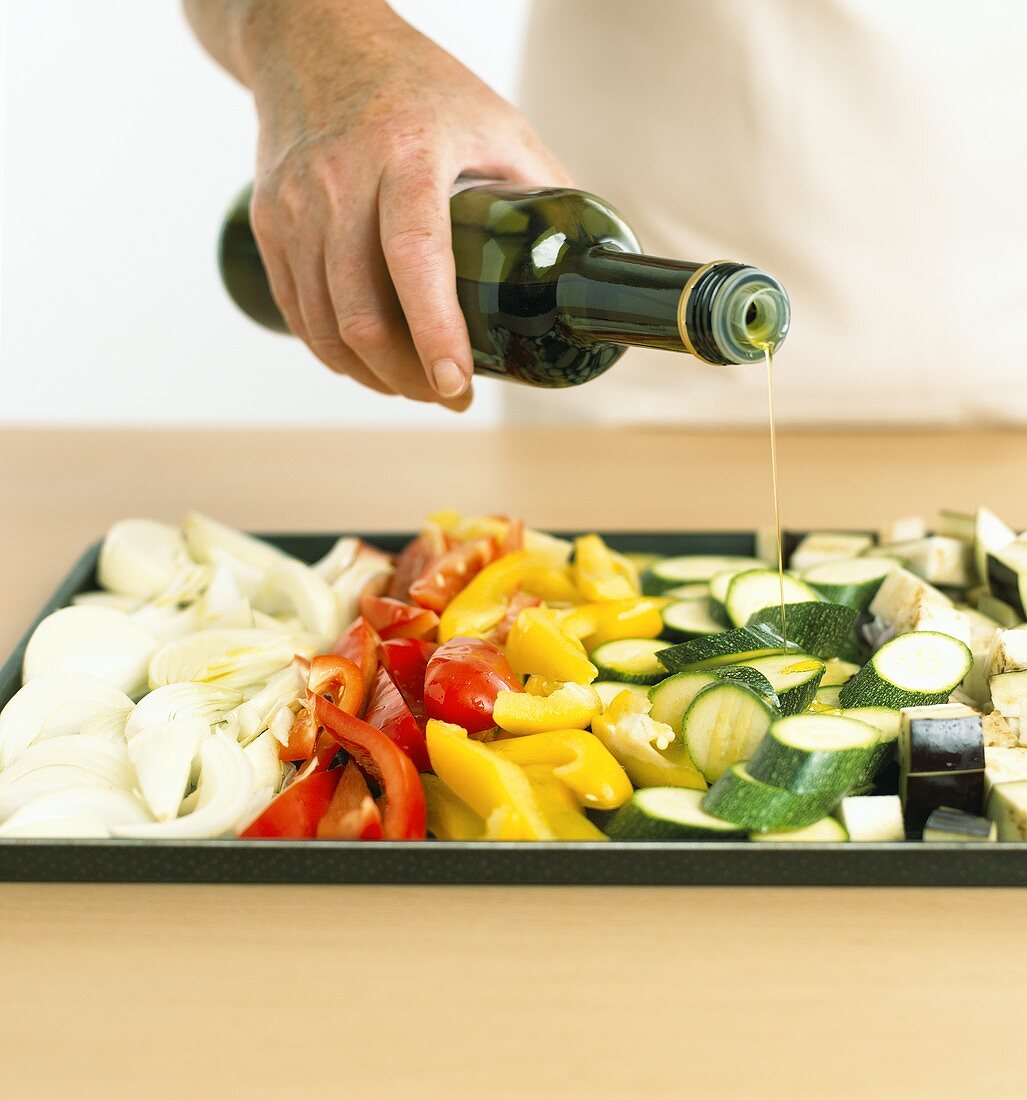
(924, 793)
(940, 738)
(1007, 576)
(955, 826)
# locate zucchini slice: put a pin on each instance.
(948, 737)
(838, 672)
(872, 818)
(829, 696)
(809, 753)
(738, 646)
(691, 569)
(668, 813)
(756, 589)
(795, 678)
(724, 724)
(828, 830)
(853, 582)
(687, 619)
(697, 591)
(630, 660)
(945, 562)
(887, 723)
(912, 670)
(739, 798)
(819, 629)
(672, 697)
(950, 826)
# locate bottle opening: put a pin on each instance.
(750, 313)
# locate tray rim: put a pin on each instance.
(719, 863)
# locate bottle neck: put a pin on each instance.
(722, 312)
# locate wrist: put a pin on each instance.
(268, 32)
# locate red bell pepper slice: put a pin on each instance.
(404, 816)
(302, 738)
(394, 619)
(514, 540)
(359, 643)
(407, 661)
(387, 711)
(414, 560)
(338, 679)
(463, 678)
(352, 814)
(518, 602)
(295, 812)
(447, 576)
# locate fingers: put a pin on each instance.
(416, 240)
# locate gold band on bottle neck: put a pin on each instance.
(683, 307)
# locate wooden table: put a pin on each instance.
(491, 992)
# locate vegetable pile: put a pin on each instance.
(493, 682)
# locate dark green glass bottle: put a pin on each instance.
(554, 288)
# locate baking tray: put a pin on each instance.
(706, 863)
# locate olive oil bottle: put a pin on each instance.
(554, 288)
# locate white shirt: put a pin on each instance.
(872, 154)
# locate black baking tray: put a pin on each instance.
(706, 863)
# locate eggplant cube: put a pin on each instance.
(947, 737)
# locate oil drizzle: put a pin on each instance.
(768, 356)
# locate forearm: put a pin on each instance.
(239, 33)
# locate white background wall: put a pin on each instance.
(124, 144)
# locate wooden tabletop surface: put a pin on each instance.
(228, 991)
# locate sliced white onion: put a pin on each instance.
(106, 807)
(268, 772)
(178, 702)
(166, 622)
(107, 727)
(259, 711)
(186, 585)
(140, 557)
(54, 704)
(214, 542)
(223, 605)
(370, 572)
(110, 600)
(228, 658)
(163, 758)
(292, 587)
(223, 796)
(94, 640)
(60, 762)
(27, 788)
(338, 559)
(281, 725)
(62, 830)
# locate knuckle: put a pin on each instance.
(326, 346)
(414, 244)
(365, 332)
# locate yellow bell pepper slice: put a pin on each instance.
(552, 584)
(463, 528)
(449, 817)
(649, 751)
(596, 623)
(600, 573)
(561, 807)
(483, 603)
(487, 783)
(570, 706)
(538, 645)
(578, 759)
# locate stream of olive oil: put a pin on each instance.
(768, 355)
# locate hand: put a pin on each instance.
(364, 126)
